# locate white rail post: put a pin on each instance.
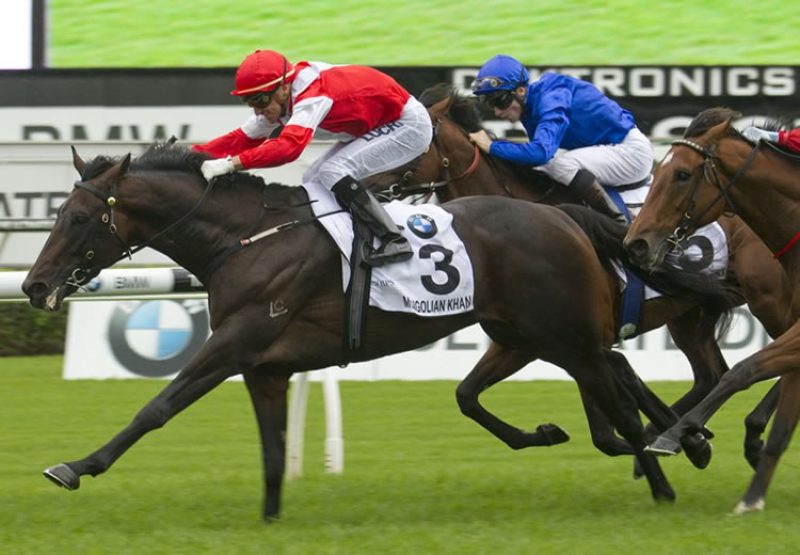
(334, 443)
(296, 425)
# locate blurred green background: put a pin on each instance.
(180, 33)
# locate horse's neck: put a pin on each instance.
(216, 221)
(524, 184)
(768, 200)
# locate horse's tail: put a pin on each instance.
(714, 295)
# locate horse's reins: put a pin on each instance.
(78, 275)
(403, 188)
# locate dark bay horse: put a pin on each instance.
(161, 200)
(714, 169)
(454, 168)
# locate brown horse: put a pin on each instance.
(714, 169)
(454, 168)
(161, 200)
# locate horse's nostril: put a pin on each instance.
(637, 249)
(34, 289)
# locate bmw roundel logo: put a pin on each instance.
(422, 225)
(157, 338)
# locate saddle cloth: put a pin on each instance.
(437, 281)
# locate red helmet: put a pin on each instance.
(262, 71)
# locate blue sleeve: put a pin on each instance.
(552, 114)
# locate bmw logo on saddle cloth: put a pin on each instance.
(422, 225)
(157, 338)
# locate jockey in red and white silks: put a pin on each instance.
(380, 126)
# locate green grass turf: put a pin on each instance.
(419, 477)
(109, 33)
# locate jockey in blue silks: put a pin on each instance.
(576, 134)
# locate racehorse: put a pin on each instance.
(454, 168)
(540, 292)
(714, 169)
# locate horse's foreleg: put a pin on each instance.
(776, 359)
(783, 426)
(497, 364)
(216, 361)
(756, 422)
(268, 394)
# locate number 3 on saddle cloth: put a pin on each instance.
(706, 250)
(436, 281)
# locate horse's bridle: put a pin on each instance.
(404, 188)
(79, 275)
(712, 176)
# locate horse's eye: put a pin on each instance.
(80, 218)
(682, 175)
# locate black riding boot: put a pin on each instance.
(394, 247)
(588, 190)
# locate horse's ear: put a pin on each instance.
(719, 130)
(115, 172)
(77, 161)
(439, 109)
(125, 164)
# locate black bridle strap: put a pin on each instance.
(708, 162)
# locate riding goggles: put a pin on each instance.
(259, 100)
(498, 99)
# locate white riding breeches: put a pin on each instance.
(381, 149)
(628, 162)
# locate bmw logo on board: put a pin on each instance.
(422, 225)
(157, 338)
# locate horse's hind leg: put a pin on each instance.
(783, 426)
(694, 334)
(697, 448)
(495, 365)
(597, 378)
(218, 359)
(756, 422)
(268, 394)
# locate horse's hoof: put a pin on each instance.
(664, 446)
(554, 433)
(698, 450)
(743, 508)
(708, 434)
(665, 497)
(63, 476)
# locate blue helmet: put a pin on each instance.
(501, 73)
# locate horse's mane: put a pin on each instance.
(707, 119)
(168, 156)
(463, 110)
